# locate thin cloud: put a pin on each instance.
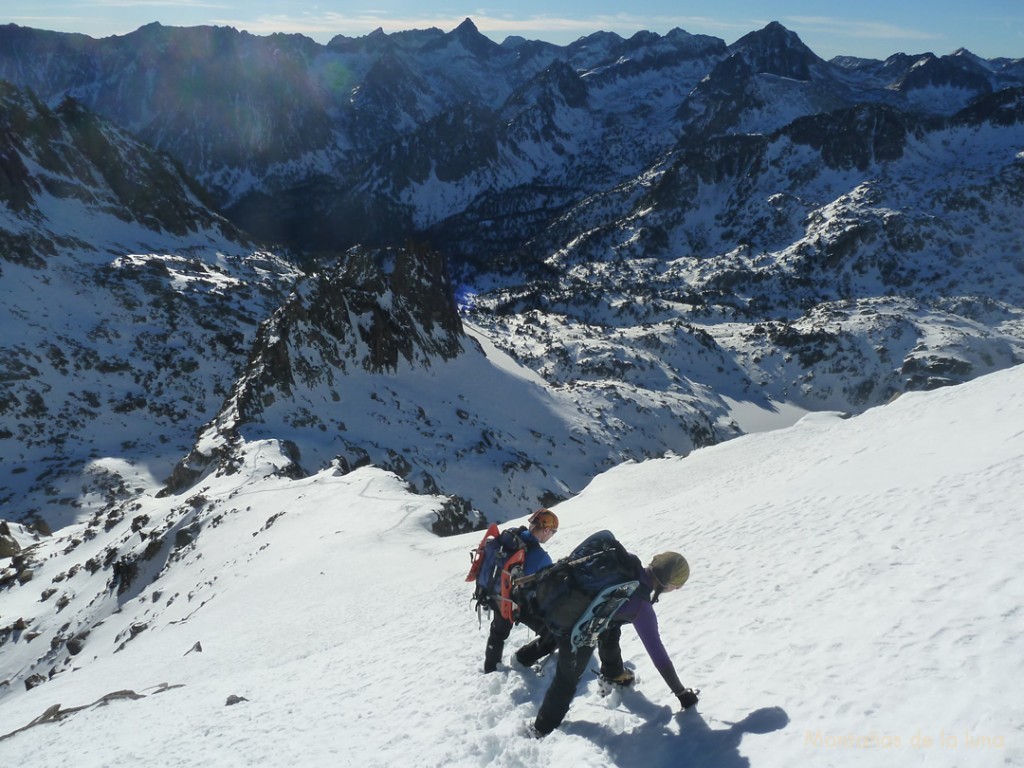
(155, 4)
(859, 29)
(45, 20)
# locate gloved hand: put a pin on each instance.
(687, 697)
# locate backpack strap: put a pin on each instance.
(600, 612)
(513, 567)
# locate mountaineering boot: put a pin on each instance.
(623, 679)
(529, 730)
(518, 664)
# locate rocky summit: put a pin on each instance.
(495, 270)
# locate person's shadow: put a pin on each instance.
(696, 745)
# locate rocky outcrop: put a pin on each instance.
(81, 157)
(375, 311)
(859, 137)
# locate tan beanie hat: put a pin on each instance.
(670, 569)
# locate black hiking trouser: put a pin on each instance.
(543, 644)
(610, 653)
(500, 630)
(571, 666)
(572, 663)
(529, 654)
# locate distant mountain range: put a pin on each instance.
(493, 269)
(372, 139)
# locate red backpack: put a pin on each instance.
(496, 562)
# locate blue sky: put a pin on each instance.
(870, 28)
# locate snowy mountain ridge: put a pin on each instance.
(361, 121)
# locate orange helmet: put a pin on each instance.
(544, 518)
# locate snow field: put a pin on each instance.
(855, 598)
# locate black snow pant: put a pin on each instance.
(500, 629)
(610, 653)
(571, 666)
(542, 645)
(529, 654)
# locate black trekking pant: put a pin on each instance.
(543, 644)
(571, 666)
(529, 654)
(500, 630)
(610, 653)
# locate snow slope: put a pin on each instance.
(856, 599)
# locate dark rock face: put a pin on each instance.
(947, 71)
(340, 311)
(373, 311)
(858, 137)
(1005, 108)
(84, 158)
(9, 546)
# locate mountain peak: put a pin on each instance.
(469, 37)
(467, 27)
(473, 40)
(776, 50)
(574, 202)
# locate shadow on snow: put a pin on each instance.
(656, 745)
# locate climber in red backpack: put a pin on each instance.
(542, 525)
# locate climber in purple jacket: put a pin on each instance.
(666, 573)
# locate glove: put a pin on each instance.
(687, 697)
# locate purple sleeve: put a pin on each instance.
(646, 626)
